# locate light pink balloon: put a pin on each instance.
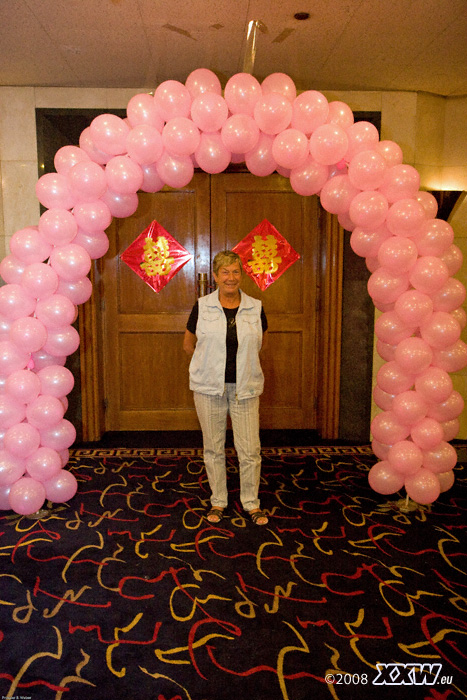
(387, 429)
(58, 226)
(400, 182)
(397, 254)
(386, 287)
(53, 191)
(340, 114)
(109, 133)
(363, 136)
(62, 341)
(367, 170)
(12, 358)
(446, 480)
(4, 497)
(428, 274)
(279, 83)
(453, 259)
(392, 379)
(12, 269)
(391, 152)
(441, 458)
(367, 242)
(369, 209)
(43, 359)
(23, 385)
(328, 144)
(337, 194)
(61, 487)
(449, 409)
(427, 433)
(409, 408)
(381, 451)
(123, 175)
(55, 311)
(423, 487)
(405, 217)
(78, 292)
(428, 202)
(144, 144)
(172, 99)
(450, 429)
(273, 113)
(180, 136)
(309, 178)
(151, 180)
(71, 262)
(382, 399)
(384, 479)
(15, 302)
(209, 111)
(44, 412)
(290, 148)
(21, 440)
(441, 330)
(27, 496)
(55, 380)
(390, 329)
(60, 437)
(212, 156)
(242, 92)
(29, 246)
(95, 244)
(259, 160)
(240, 133)
(92, 216)
(451, 295)
(39, 280)
(45, 463)
(413, 307)
(141, 109)
(12, 468)
(310, 110)
(201, 81)
(413, 355)
(87, 181)
(87, 144)
(435, 237)
(385, 350)
(453, 358)
(11, 411)
(405, 457)
(175, 171)
(67, 156)
(120, 205)
(28, 334)
(346, 222)
(434, 385)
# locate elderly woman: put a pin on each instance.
(224, 335)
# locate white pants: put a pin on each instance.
(212, 414)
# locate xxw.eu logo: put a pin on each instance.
(409, 674)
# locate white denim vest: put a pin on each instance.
(207, 366)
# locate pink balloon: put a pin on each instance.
(21, 440)
(384, 479)
(273, 113)
(363, 136)
(95, 244)
(123, 175)
(27, 496)
(369, 209)
(392, 379)
(53, 191)
(452, 358)
(43, 359)
(44, 412)
(78, 292)
(434, 385)
(441, 330)
(71, 262)
(180, 136)
(413, 355)
(450, 296)
(55, 311)
(15, 302)
(87, 181)
(386, 287)
(43, 464)
(423, 487)
(12, 269)
(446, 480)
(58, 226)
(209, 111)
(367, 242)
(390, 329)
(55, 380)
(337, 194)
(202, 80)
(309, 178)
(12, 358)
(461, 316)
(391, 152)
(67, 156)
(172, 99)
(409, 408)
(28, 246)
(279, 83)
(435, 237)
(120, 205)
(144, 144)
(260, 160)
(400, 182)
(175, 171)
(428, 274)
(405, 217)
(397, 254)
(92, 216)
(427, 433)
(23, 385)
(413, 307)
(242, 92)
(109, 133)
(453, 259)
(62, 341)
(382, 399)
(441, 458)
(59, 437)
(447, 410)
(240, 133)
(12, 468)
(11, 411)
(39, 280)
(450, 429)
(290, 148)
(340, 114)
(87, 144)
(151, 180)
(328, 144)
(405, 457)
(212, 156)
(381, 451)
(61, 487)
(141, 109)
(387, 429)
(4, 497)
(310, 110)
(385, 350)
(367, 170)
(28, 334)
(428, 202)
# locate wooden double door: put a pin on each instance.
(144, 384)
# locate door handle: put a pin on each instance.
(202, 284)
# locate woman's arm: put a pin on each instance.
(189, 342)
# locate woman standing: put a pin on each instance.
(225, 333)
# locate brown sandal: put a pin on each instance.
(215, 515)
(256, 515)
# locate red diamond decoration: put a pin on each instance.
(265, 254)
(155, 256)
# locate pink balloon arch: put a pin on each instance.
(363, 180)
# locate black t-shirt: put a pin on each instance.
(231, 338)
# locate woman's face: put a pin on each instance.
(228, 279)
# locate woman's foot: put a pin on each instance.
(258, 516)
(215, 515)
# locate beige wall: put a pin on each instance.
(431, 131)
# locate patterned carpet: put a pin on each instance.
(126, 591)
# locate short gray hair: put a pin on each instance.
(224, 258)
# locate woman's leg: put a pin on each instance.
(212, 415)
(245, 426)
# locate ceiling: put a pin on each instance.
(416, 45)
